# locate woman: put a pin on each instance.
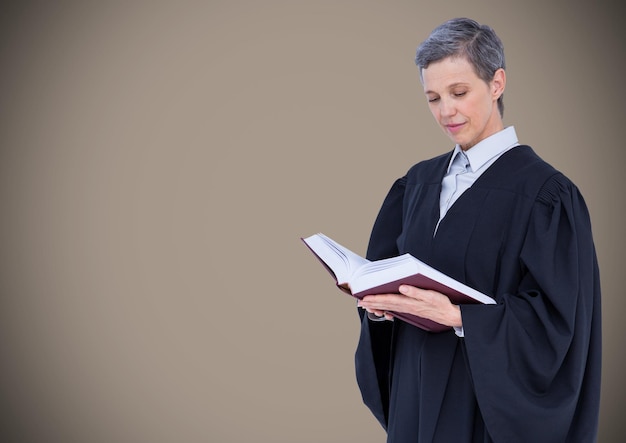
(496, 217)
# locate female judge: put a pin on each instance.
(495, 216)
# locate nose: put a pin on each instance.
(446, 107)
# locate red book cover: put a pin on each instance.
(359, 277)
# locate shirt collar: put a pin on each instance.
(493, 146)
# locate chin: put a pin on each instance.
(461, 142)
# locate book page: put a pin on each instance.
(342, 261)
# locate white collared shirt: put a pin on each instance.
(478, 159)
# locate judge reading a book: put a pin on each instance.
(495, 216)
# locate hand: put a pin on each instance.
(411, 300)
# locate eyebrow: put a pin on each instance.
(452, 86)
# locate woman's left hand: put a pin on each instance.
(411, 300)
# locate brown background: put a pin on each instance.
(160, 160)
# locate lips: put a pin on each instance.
(454, 127)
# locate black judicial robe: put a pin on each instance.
(528, 368)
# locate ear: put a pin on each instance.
(498, 83)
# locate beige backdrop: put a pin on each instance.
(160, 161)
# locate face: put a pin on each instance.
(464, 105)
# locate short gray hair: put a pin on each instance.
(464, 37)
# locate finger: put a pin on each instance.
(409, 291)
(414, 292)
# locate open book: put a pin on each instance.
(359, 277)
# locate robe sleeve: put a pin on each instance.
(535, 357)
(388, 224)
(373, 351)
